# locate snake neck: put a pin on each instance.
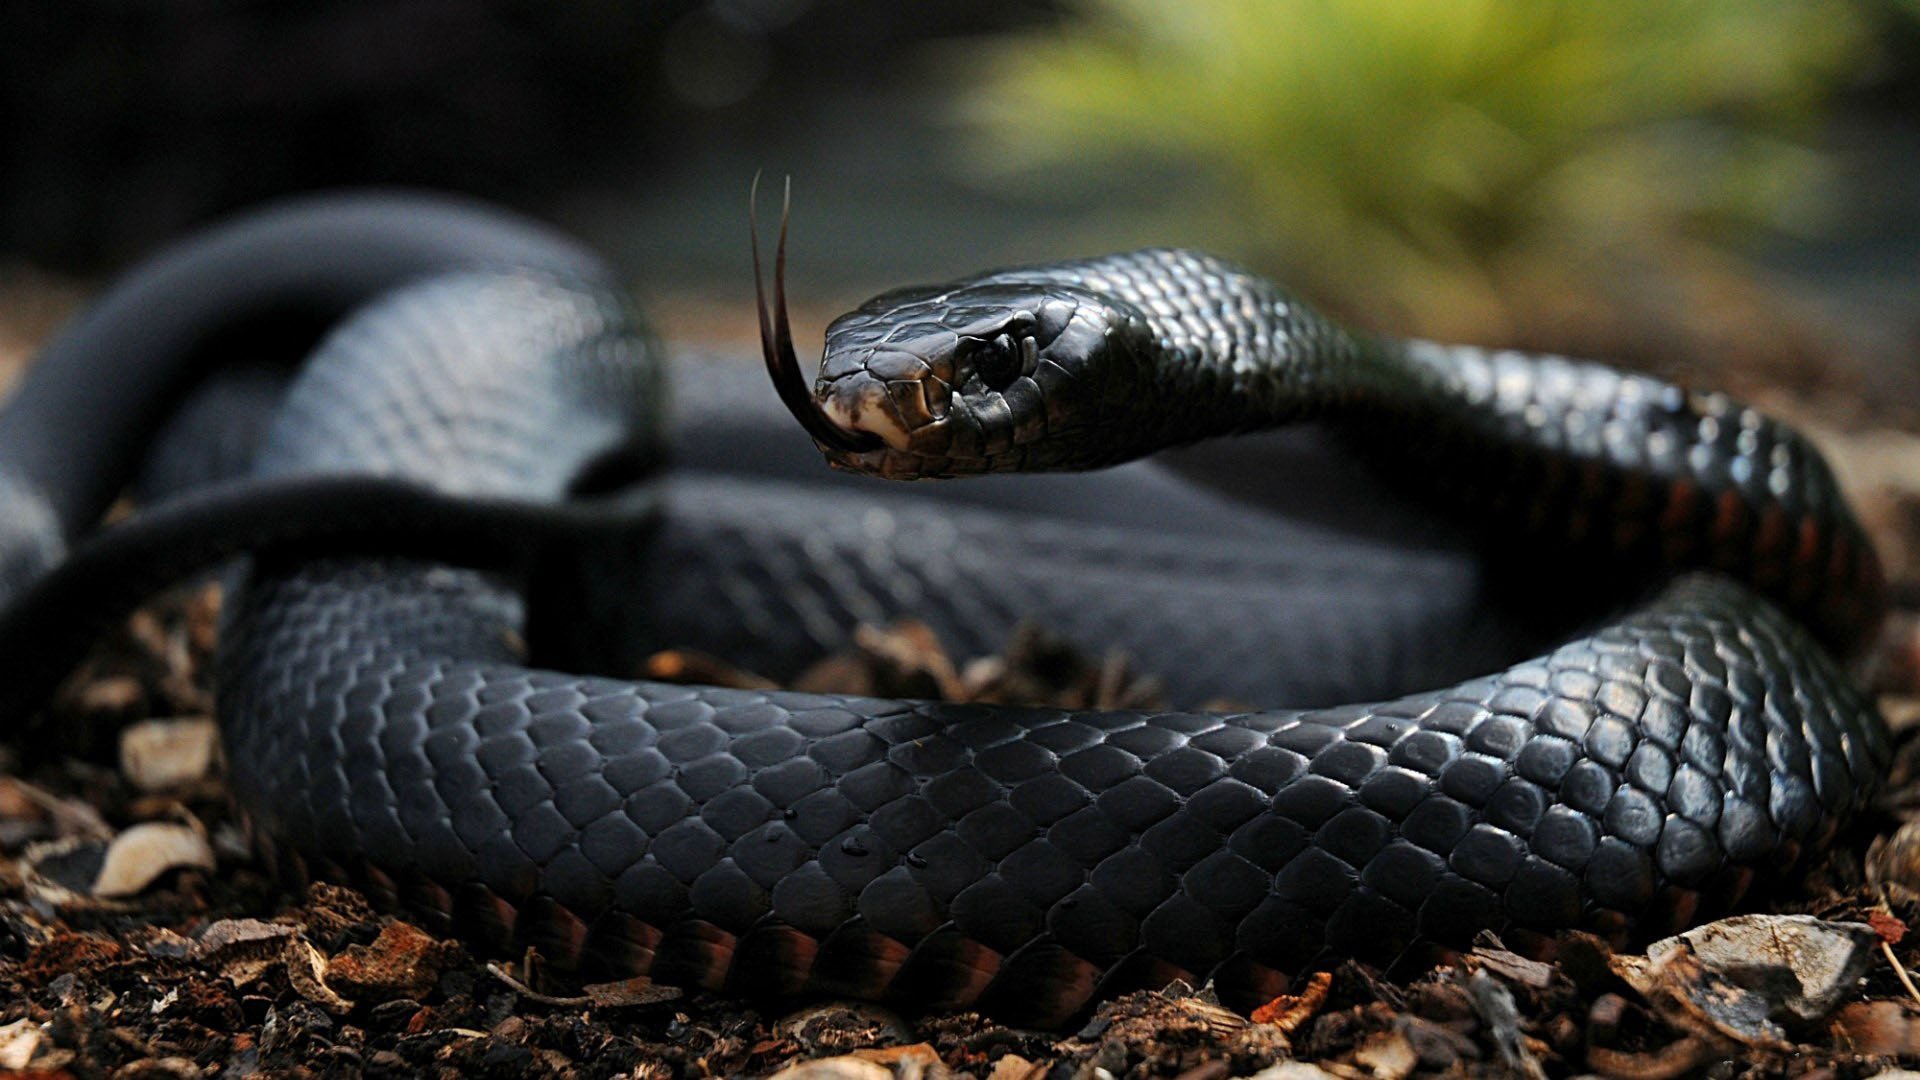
(1210, 347)
(1566, 462)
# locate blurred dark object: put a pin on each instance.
(123, 123)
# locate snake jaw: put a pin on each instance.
(863, 403)
(776, 339)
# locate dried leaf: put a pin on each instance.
(1498, 1012)
(160, 1068)
(1890, 928)
(629, 992)
(112, 694)
(1014, 1067)
(71, 817)
(1878, 1028)
(140, 855)
(244, 949)
(1893, 864)
(840, 1026)
(1684, 992)
(1513, 967)
(403, 962)
(1293, 1070)
(1741, 977)
(844, 1067)
(18, 1041)
(158, 755)
(1288, 1011)
(1387, 1055)
(225, 936)
(306, 973)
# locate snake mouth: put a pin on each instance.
(776, 338)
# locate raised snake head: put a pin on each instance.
(954, 380)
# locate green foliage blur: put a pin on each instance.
(1428, 161)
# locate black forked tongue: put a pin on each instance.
(776, 338)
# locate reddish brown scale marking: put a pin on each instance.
(1866, 607)
(947, 971)
(1731, 535)
(1682, 498)
(1528, 942)
(430, 895)
(1239, 979)
(1843, 567)
(709, 953)
(432, 904)
(293, 870)
(1869, 608)
(321, 868)
(624, 944)
(379, 886)
(1673, 909)
(1139, 971)
(291, 866)
(693, 953)
(557, 933)
(855, 959)
(1805, 557)
(772, 959)
(325, 869)
(1580, 519)
(279, 859)
(1045, 980)
(1165, 972)
(1737, 880)
(485, 916)
(1630, 506)
(1768, 544)
(1730, 516)
(1612, 925)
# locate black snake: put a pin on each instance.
(463, 471)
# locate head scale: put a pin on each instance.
(1007, 371)
(980, 377)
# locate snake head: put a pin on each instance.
(990, 376)
(1009, 371)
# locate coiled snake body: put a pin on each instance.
(487, 387)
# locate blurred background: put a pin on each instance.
(1722, 191)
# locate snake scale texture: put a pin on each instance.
(475, 421)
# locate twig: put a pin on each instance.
(1899, 970)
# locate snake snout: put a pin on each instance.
(866, 400)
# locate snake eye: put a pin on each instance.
(999, 360)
